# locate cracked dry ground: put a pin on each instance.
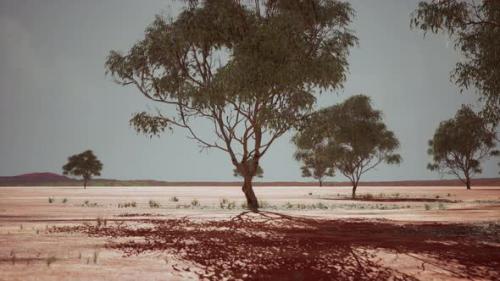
(273, 246)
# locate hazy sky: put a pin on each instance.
(55, 99)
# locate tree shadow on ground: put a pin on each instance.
(273, 246)
(400, 199)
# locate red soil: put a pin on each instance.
(375, 199)
(272, 246)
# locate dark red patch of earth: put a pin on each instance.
(272, 246)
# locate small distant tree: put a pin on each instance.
(83, 165)
(315, 164)
(459, 144)
(353, 135)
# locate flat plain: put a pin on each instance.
(205, 233)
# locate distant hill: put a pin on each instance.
(52, 179)
(35, 178)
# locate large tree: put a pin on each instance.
(249, 70)
(459, 145)
(316, 163)
(474, 26)
(353, 135)
(83, 165)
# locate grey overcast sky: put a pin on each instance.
(55, 99)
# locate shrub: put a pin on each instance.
(321, 206)
(226, 204)
(131, 204)
(51, 200)
(86, 203)
(195, 203)
(101, 222)
(95, 257)
(50, 260)
(368, 196)
(265, 205)
(65, 200)
(153, 204)
(427, 207)
(174, 199)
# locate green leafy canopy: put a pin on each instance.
(474, 26)
(459, 144)
(83, 165)
(249, 72)
(351, 136)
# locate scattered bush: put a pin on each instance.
(50, 260)
(101, 222)
(153, 204)
(131, 204)
(174, 199)
(321, 206)
(86, 203)
(226, 204)
(427, 207)
(95, 257)
(301, 206)
(266, 205)
(195, 203)
(487, 201)
(51, 200)
(64, 201)
(367, 196)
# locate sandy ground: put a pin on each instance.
(30, 250)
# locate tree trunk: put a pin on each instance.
(84, 183)
(467, 182)
(247, 188)
(320, 183)
(354, 186)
